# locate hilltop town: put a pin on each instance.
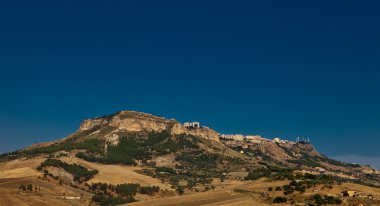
(141, 159)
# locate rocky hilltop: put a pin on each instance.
(131, 121)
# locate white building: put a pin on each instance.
(192, 124)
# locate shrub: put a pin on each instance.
(180, 190)
(22, 187)
(318, 199)
(29, 187)
(280, 200)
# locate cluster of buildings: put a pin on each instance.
(240, 137)
(251, 142)
(191, 125)
(255, 139)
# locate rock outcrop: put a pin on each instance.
(131, 121)
(203, 132)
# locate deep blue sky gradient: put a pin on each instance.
(274, 68)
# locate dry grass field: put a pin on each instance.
(236, 193)
(48, 193)
(117, 174)
(45, 192)
(226, 193)
(222, 198)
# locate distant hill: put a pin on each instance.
(187, 157)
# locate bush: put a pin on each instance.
(180, 190)
(288, 189)
(22, 187)
(29, 187)
(318, 199)
(280, 200)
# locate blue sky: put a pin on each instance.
(274, 68)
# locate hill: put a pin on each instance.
(129, 156)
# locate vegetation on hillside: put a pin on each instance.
(280, 200)
(74, 142)
(319, 200)
(131, 148)
(301, 182)
(107, 200)
(29, 187)
(109, 195)
(258, 173)
(80, 173)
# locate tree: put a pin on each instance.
(22, 187)
(318, 199)
(280, 200)
(30, 187)
(180, 190)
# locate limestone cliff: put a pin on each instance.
(131, 121)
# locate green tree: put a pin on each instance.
(22, 187)
(30, 187)
(318, 199)
(280, 200)
(180, 190)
